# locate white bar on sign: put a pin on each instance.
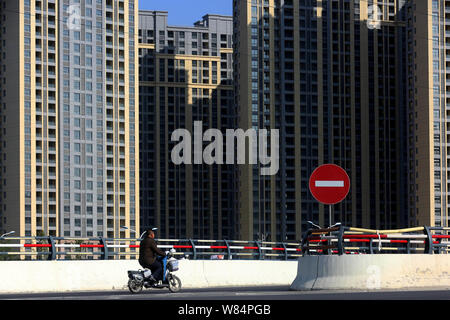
(330, 184)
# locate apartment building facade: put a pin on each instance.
(331, 77)
(429, 112)
(69, 111)
(361, 84)
(185, 76)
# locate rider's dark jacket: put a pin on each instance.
(148, 251)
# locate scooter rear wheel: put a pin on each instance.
(134, 286)
(174, 283)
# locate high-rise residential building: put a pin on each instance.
(331, 76)
(69, 117)
(362, 84)
(185, 77)
(429, 112)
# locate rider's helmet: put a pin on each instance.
(146, 231)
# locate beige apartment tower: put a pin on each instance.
(429, 112)
(330, 75)
(69, 117)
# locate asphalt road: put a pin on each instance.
(262, 293)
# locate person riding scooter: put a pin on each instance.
(148, 252)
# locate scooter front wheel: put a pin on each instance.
(174, 283)
(135, 286)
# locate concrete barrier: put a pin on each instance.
(66, 276)
(371, 272)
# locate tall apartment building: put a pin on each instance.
(429, 112)
(69, 117)
(331, 77)
(185, 76)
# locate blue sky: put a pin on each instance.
(186, 12)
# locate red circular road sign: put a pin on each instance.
(329, 184)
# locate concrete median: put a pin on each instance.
(372, 272)
(67, 276)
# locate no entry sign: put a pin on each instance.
(329, 184)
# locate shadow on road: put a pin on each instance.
(146, 292)
(238, 293)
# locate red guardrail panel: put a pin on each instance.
(29, 245)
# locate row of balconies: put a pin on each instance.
(51, 197)
(50, 135)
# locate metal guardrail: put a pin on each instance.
(335, 240)
(348, 240)
(64, 248)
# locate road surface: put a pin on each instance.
(247, 293)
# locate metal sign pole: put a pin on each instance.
(329, 209)
(330, 252)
